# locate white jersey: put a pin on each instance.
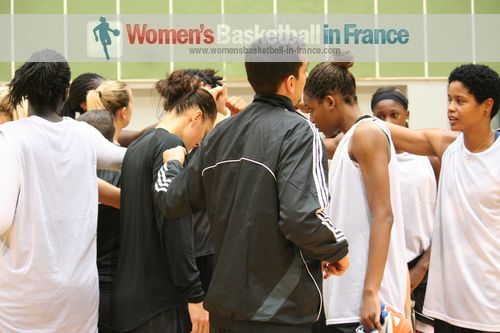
(349, 209)
(48, 274)
(463, 288)
(418, 191)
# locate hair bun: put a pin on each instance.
(344, 58)
(346, 65)
(176, 87)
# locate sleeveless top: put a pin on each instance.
(350, 211)
(464, 276)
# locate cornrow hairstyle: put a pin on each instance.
(43, 80)
(78, 93)
(181, 91)
(332, 77)
(481, 81)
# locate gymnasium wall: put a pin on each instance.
(425, 82)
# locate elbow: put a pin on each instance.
(384, 218)
(388, 219)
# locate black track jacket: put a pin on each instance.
(261, 176)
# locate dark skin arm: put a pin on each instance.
(369, 147)
(331, 144)
(426, 142)
(418, 271)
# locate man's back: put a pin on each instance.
(261, 177)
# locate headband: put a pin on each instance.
(394, 95)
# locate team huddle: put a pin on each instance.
(295, 213)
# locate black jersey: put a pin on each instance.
(156, 266)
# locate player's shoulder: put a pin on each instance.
(370, 135)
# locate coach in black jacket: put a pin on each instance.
(261, 176)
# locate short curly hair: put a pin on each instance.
(482, 82)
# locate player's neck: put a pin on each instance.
(350, 114)
(173, 123)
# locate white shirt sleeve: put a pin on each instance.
(11, 184)
(109, 156)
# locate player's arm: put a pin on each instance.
(303, 196)
(109, 194)
(177, 236)
(178, 191)
(408, 301)
(128, 136)
(370, 148)
(331, 144)
(95, 30)
(426, 142)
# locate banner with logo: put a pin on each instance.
(209, 38)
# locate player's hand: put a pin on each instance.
(178, 153)
(370, 312)
(410, 325)
(220, 96)
(335, 268)
(235, 105)
(199, 318)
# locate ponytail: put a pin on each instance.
(94, 100)
(110, 95)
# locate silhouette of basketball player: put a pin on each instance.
(104, 36)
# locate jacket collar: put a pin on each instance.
(275, 100)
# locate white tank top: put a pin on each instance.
(464, 276)
(349, 209)
(418, 190)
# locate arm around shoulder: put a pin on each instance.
(178, 191)
(426, 142)
(109, 156)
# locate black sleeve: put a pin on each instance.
(179, 192)
(176, 237)
(303, 196)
